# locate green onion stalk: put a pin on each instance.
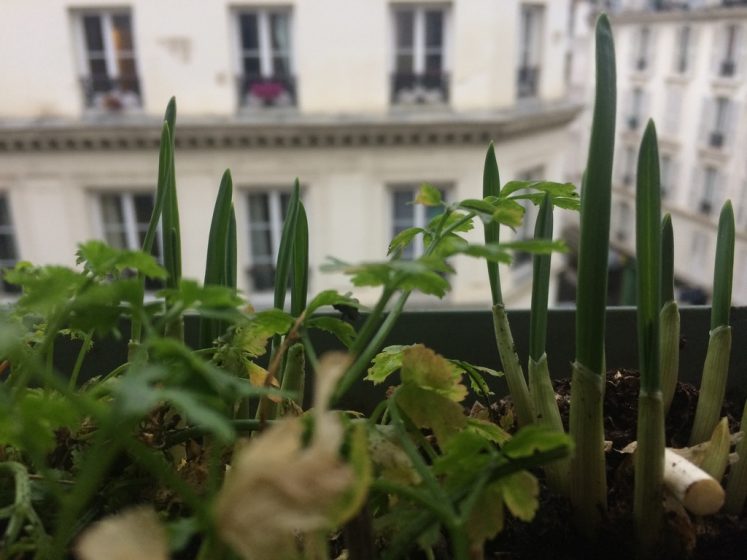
(540, 386)
(588, 483)
(649, 457)
(716, 367)
(669, 318)
(163, 186)
(220, 265)
(736, 488)
(517, 384)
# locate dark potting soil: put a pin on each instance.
(551, 534)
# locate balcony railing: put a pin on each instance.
(528, 81)
(705, 206)
(111, 94)
(267, 91)
(727, 69)
(633, 122)
(420, 89)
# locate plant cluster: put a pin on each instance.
(221, 450)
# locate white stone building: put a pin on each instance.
(684, 64)
(362, 100)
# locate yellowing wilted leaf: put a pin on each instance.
(423, 367)
(257, 376)
(133, 534)
(428, 409)
(390, 459)
(520, 493)
(485, 520)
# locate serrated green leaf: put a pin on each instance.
(253, 336)
(508, 212)
(403, 239)
(535, 439)
(537, 246)
(428, 195)
(428, 409)
(342, 330)
(329, 298)
(520, 493)
(550, 187)
(190, 294)
(463, 456)
(565, 202)
(451, 221)
(103, 260)
(385, 363)
(488, 430)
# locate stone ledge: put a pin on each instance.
(448, 129)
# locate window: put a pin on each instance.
(267, 212)
(727, 51)
(530, 50)
(666, 175)
(708, 192)
(717, 122)
(699, 249)
(124, 219)
(526, 230)
(406, 214)
(420, 56)
(635, 110)
(266, 73)
(684, 50)
(641, 60)
(629, 164)
(8, 249)
(108, 66)
(623, 222)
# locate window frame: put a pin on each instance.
(109, 54)
(275, 223)
(9, 229)
(530, 50)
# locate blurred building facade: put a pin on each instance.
(684, 64)
(362, 101)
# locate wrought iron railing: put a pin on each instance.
(112, 94)
(420, 89)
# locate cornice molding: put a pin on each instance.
(446, 129)
(675, 15)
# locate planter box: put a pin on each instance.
(468, 335)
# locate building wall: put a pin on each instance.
(342, 58)
(340, 68)
(683, 136)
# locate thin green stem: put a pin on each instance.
(84, 347)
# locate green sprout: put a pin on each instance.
(649, 458)
(588, 487)
(669, 332)
(716, 367)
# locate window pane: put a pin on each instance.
(259, 208)
(403, 210)
(434, 29)
(7, 247)
(143, 208)
(261, 244)
(93, 34)
(97, 67)
(433, 63)
(4, 212)
(116, 238)
(111, 210)
(126, 68)
(409, 251)
(284, 203)
(279, 33)
(405, 21)
(405, 64)
(280, 66)
(263, 277)
(122, 33)
(249, 34)
(251, 66)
